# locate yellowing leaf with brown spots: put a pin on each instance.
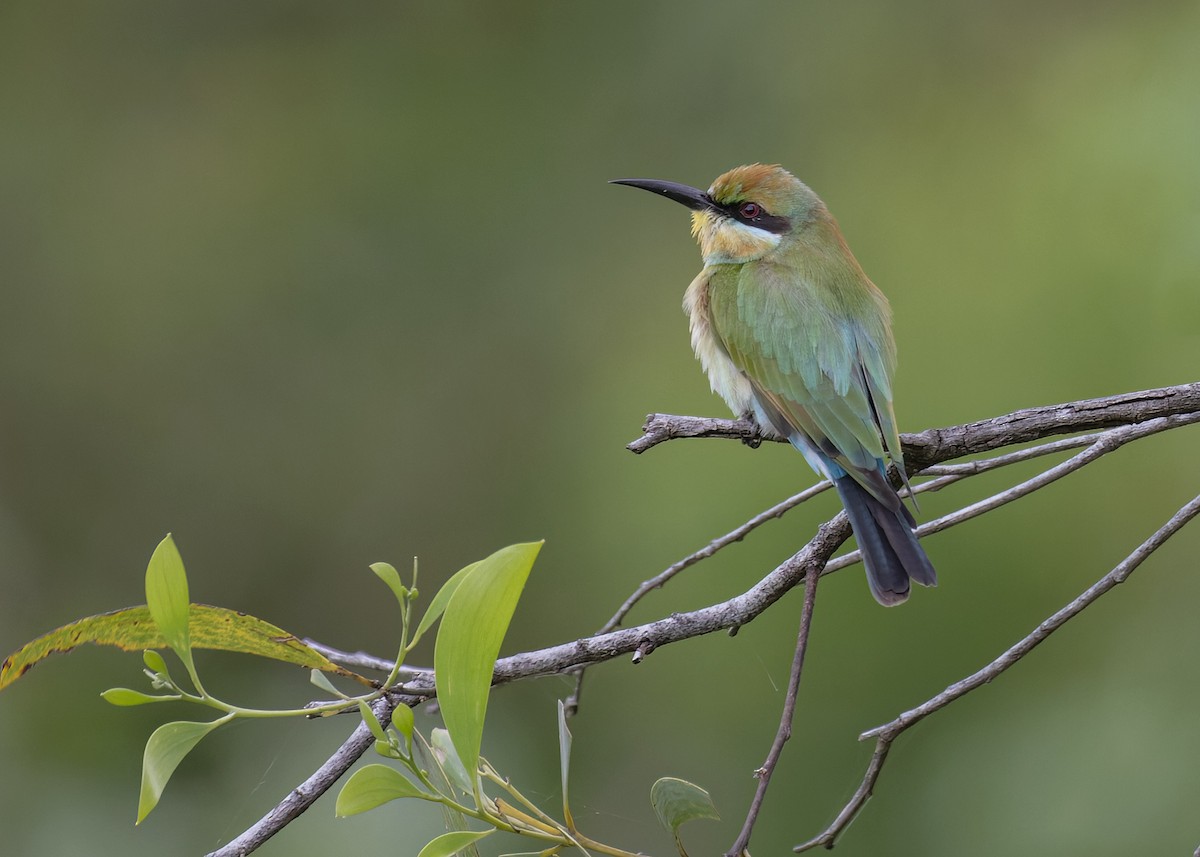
(132, 629)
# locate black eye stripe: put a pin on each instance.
(763, 220)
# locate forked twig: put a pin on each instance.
(1102, 444)
(887, 733)
(571, 703)
(735, 535)
(304, 795)
(741, 845)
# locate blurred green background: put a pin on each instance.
(312, 287)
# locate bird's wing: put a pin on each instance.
(878, 362)
(824, 373)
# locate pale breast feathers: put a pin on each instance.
(726, 380)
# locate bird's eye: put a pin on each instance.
(750, 210)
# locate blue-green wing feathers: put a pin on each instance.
(820, 365)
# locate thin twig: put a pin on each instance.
(888, 732)
(304, 795)
(359, 660)
(733, 613)
(983, 465)
(571, 703)
(735, 535)
(1104, 443)
(741, 845)
(660, 428)
(1107, 442)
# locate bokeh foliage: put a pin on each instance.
(313, 287)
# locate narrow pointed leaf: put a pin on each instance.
(167, 596)
(388, 574)
(468, 642)
(372, 721)
(425, 756)
(564, 758)
(318, 679)
(164, 751)
(447, 759)
(373, 786)
(211, 628)
(453, 842)
(124, 697)
(438, 605)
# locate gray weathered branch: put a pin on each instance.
(304, 795)
(935, 445)
(1182, 403)
(889, 732)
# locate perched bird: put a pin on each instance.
(792, 333)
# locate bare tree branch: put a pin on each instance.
(922, 450)
(952, 473)
(983, 465)
(556, 659)
(711, 548)
(888, 733)
(304, 795)
(1104, 443)
(571, 704)
(935, 445)
(741, 845)
(358, 660)
(660, 428)
(728, 615)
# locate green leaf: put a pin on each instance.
(678, 801)
(373, 786)
(317, 679)
(426, 756)
(211, 628)
(388, 750)
(438, 605)
(123, 696)
(452, 842)
(164, 751)
(402, 719)
(388, 574)
(372, 721)
(468, 641)
(447, 758)
(167, 596)
(564, 758)
(152, 659)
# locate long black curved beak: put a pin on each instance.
(693, 198)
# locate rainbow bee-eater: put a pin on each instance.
(793, 334)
